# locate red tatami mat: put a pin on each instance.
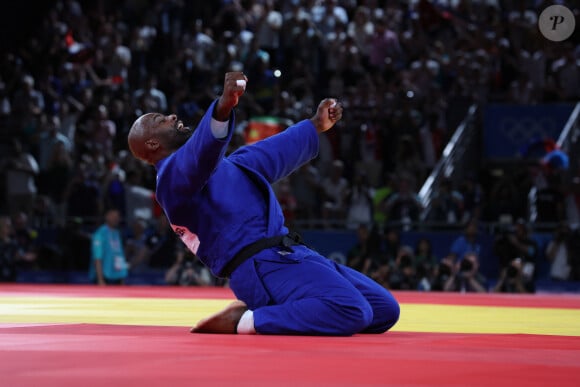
(67, 354)
(114, 355)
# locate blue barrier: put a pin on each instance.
(509, 129)
(335, 244)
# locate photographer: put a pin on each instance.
(466, 276)
(187, 271)
(403, 273)
(510, 244)
(511, 279)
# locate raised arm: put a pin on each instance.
(277, 156)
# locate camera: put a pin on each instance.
(406, 261)
(512, 271)
(465, 266)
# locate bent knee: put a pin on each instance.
(384, 318)
(354, 318)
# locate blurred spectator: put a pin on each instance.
(28, 105)
(504, 203)
(267, 30)
(54, 180)
(573, 198)
(548, 203)
(187, 270)
(75, 245)
(425, 263)
(566, 73)
(473, 198)
(21, 169)
(149, 95)
(334, 190)
(516, 243)
(403, 206)
(465, 276)
(559, 253)
(139, 200)
(114, 190)
(50, 136)
(365, 256)
(468, 242)
(11, 254)
(403, 273)
(408, 160)
(447, 204)
(287, 201)
(381, 194)
(108, 263)
(511, 278)
(102, 131)
(136, 248)
(162, 243)
(391, 242)
(385, 47)
(359, 201)
(83, 195)
(25, 235)
(306, 187)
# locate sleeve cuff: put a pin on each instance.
(219, 129)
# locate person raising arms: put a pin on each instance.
(225, 211)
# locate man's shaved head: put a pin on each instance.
(154, 136)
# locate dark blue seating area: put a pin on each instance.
(335, 245)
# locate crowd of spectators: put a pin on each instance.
(405, 72)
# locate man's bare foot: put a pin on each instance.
(225, 321)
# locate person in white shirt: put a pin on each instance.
(557, 253)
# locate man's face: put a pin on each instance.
(113, 218)
(169, 129)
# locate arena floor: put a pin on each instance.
(58, 335)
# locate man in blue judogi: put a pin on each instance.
(225, 211)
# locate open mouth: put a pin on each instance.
(182, 128)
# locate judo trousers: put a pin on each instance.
(298, 291)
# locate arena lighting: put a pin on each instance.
(277, 73)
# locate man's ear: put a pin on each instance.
(152, 144)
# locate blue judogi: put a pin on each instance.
(218, 205)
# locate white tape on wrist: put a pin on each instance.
(241, 82)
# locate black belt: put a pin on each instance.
(291, 239)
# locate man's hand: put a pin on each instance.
(328, 113)
(234, 87)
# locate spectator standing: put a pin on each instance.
(559, 254)
(108, 263)
(27, 107)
